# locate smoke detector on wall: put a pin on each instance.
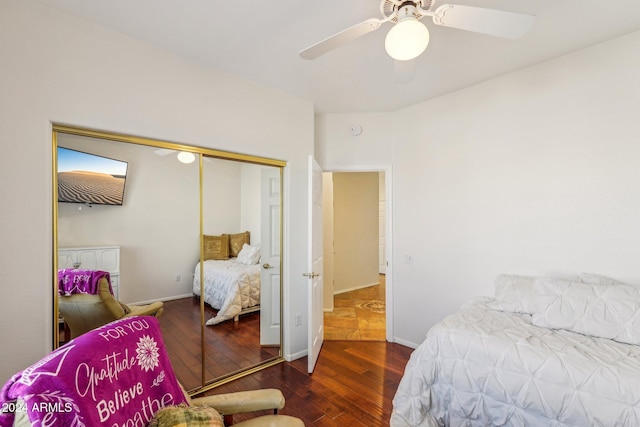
(356, 130)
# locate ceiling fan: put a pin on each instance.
(183, 156)
(409, 37)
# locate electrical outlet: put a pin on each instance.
(298, 319)
(178, 277)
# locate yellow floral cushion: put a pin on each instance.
(187, 416)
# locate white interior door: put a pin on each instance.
(270, 257)
(315, 267)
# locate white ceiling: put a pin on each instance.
(260, 41)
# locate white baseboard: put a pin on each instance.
(356, 288)
(295, 356)
(405, 343)
(161, 299)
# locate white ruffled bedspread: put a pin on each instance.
(482, 367)
(229, 287)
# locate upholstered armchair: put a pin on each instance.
(84, 312)
(120, 374)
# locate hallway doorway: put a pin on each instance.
(355, 240)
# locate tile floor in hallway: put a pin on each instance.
(358, 315)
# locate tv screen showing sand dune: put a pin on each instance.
(91, 179)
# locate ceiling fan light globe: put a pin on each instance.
(407, 39)
(186, 157)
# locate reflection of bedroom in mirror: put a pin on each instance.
(221, 211)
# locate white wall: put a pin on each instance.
(221, 196)
(535, 172)
(250, 184)
(58, 68)
(337, 149)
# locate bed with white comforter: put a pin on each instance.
(229, 286)
(544, 352)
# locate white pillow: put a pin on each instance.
(513, 293)
(602, 309)
(249, 254)
(596, 279)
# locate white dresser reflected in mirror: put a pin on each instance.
(103, 258)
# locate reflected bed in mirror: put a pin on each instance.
(231, 277)
(168, 207)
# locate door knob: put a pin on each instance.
(266, 265)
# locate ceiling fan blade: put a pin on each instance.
(164, 151)
(404, 71)
(498, 23)
(340, 38)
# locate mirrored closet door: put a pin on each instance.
(174, 223)
(238, 269)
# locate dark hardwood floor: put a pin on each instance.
(229, 346)
(353, 384)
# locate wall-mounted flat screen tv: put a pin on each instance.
(89, 178)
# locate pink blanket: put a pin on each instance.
(116, 375)
(72, 281)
